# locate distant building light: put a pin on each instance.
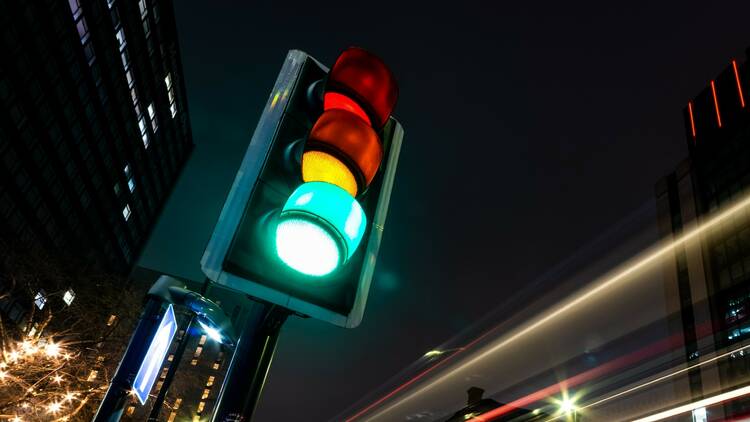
(40, 299)
(700, 415)
(126, 212)
(131, 184)
(68, 296)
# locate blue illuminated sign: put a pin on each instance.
(155, 355)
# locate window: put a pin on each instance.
(92, 375)
(198, 351)
(201, 406)
(177, 403)
(126, 212)
(40, 299)
(131, 410)
(152, 117)
(194, 362)
(172, 417)
(202, 341)
(170, 94)
(117, 189)
(111, 320)
(210, 381)
(120, 36)
(206, 392)
(131, 184)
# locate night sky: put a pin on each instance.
(529, 129)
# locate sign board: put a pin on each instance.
(157, 351)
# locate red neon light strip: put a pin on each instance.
(739, 85)
(692, 120)
(716, 103)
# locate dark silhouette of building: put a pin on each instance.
(94, 126)
(708, 282)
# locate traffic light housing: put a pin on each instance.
(302, 223)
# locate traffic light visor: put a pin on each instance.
(348, 138)
(319, 228)
(363, 76)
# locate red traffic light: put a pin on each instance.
(362, 76)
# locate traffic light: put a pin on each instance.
(302, 223)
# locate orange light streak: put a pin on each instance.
(692, 120)
(716, 103)
(739, 85)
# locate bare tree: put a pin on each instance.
(57, 356)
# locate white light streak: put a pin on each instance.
(696, 405)
(572, 303)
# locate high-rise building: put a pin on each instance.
(94, 126)
(708, 282)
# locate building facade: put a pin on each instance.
(708, 282)
(94, 128)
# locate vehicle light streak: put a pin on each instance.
(654, 381)
(716, 103)
(719, 398)
(564, 308)
(668, 344)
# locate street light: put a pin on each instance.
(209, 315)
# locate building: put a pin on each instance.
(94, 126)
(708, 282)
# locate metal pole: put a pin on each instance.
(159, 401)
(111, 407)
(250, 363)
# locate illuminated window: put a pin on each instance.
(170, 94)
(111, 320)
(131, 410)
(202, 341)
(92, 375)
(194, 362)
(69, 296)
(126, 212)
(40, 299)
(177, 403)
(131, 184)
(210, 381)
(152, 117)
(172, 417)
(206, 392)
(170, 358)
(164, 373)
(198, 351)
(201, 406)
(120, 36)
(196, 418)
(216, 365)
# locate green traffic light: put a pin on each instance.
(319, 229)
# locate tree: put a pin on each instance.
(63, 328)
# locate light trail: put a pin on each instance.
(651, 382)
(569, 305)
(668, 344)
(719, 398)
